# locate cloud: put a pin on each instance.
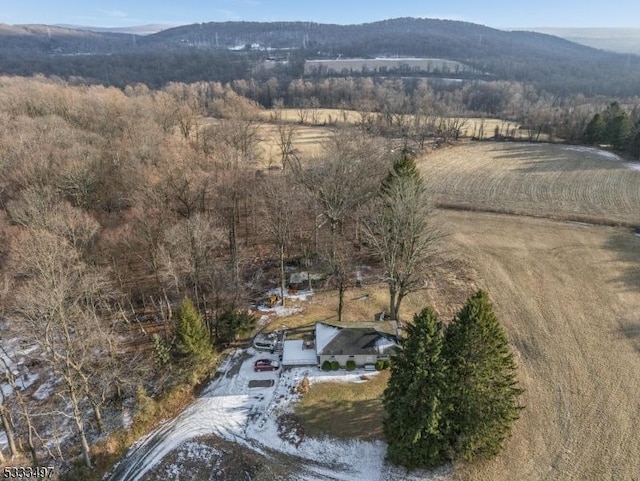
(113, 13)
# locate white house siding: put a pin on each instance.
(360, 360)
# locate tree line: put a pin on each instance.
(199, 52)
(616, 128)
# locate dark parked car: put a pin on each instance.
(265, 365)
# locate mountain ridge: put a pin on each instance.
(544, 60)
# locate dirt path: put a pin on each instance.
(569, 297)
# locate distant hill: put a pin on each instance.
(137, 30)
(49, 39)
(621, 40)
(226, 50)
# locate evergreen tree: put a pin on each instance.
(595, 131)
(483, 391)
(618, 126)
(414, 426)
(634, 145)
(192, 336)
(233, 322)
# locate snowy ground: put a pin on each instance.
(278, 309)
(229, 408)
(605, 154)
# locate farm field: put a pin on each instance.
(546, 180)
(567, 293)
(569, 298)
(325, 117)
(307, 141)
(373, 64)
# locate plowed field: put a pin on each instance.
(546, 180)
(567, 293)
(569, 298)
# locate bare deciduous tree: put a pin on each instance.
(58, 300)
(279, 209)
(401, 233)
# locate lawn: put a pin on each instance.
(344, 410)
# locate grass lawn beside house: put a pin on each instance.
(344, 410)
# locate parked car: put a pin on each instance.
(265, 365)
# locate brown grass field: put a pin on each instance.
(307, 141)
(567, 293)
(340, 409)
(329, 116)
(534, 179)
(569, 298)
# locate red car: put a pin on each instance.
(265, 365)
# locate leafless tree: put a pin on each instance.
(286, 134)
(400, 229)
(344, 177)
(342, 266)
(279, 213)
(189, 256)
(58, 299)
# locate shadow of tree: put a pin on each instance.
(626, 245)
(545, 157)
(631, 331)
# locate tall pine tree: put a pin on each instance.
(413, 399)
(192, 336)
(483, 390)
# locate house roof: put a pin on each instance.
(324, 335)
(354, 341)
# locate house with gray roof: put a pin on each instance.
(363, 345)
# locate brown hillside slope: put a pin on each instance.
(569, 298)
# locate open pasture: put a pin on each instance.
(307, 141)
(568, 296)
(325, 117)
(546, 180)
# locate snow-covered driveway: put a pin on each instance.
(223, 409)
(249, 416)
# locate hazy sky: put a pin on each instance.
(513, 14)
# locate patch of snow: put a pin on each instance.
(301, 295)
(230, 409)
(44, 390)
(281, 311)
(605, 154)
(192, 451)
(294, 354)
(127, 419)
(593, 150)
(383, 343)
(324, 335)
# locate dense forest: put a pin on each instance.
(201, 52)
